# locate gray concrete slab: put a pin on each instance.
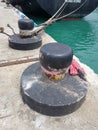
(15, 115)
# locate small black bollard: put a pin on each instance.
(24, 40)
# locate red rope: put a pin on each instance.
(56, 74)
(73, 69)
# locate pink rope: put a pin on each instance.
(52, 73)
(74, 67)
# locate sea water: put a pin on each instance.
(81, 35)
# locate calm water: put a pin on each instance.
(81, 35)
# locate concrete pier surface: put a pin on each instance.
(14, 114)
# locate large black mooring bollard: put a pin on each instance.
(47, 87)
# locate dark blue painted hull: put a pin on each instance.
(49, 7)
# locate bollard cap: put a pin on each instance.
(55, 56)
(25, 24)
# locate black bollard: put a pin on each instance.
(55, 60)
(45, 93)
(24, 40)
